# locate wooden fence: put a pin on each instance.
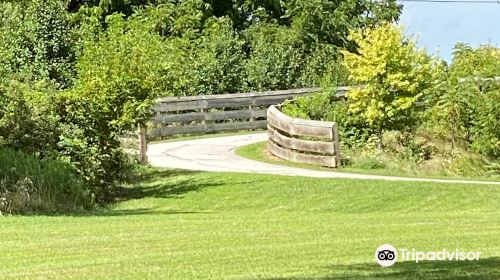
(214, 113)
(304, 141)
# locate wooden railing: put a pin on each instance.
(214, 113)
(303, 141)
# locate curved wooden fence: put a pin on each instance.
(214, 113)
(304, 141)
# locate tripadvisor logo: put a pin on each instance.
(387, 255)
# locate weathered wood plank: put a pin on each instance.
(207, 128)
(171, 104)
(290, 155)
(299, 127)
(179, 105)
(209, 116)
(273, 100)
(228, 102)
(320, 147)
(236, 95)
(336, 144)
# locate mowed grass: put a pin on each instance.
(192, 225)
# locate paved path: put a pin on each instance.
(217, 154)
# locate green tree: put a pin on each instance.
(467, 109)
(118, 78)
(325, 21)
(394, 75)
(37, 42)
(275, 59)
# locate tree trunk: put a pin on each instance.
(379, 140)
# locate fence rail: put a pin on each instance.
(304, 141)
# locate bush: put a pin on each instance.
(467, 111)
(275, 58)
(28, 184)
(118, 78)
(353, 130)
(324, 68)
(37, 42)
(218, 60)
(210, 64)
(394, 74)
(28, 118)
(486, 121)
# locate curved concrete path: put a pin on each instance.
(217, 154)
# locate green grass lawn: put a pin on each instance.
(193, 225)
(258, 152)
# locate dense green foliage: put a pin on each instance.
(37, 43)
(27, 118)
(467, 108)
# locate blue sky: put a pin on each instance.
(441, 25)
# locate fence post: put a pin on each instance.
(203, 111)
(336, 144)
(143, 145)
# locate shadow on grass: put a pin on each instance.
(488, 268)
(163, 184)
(155, 183)
(134, 212)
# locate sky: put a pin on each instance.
(440, 25)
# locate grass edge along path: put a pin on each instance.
(258, 152)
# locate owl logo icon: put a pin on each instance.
(386, 255)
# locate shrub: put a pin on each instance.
(467, 111)
(275, 57)
(218, 60)
(353, 130)
(118, 78)
(394, 75)
(322, 67)
(28, 118)
(37, 42)
(28, 184)
(486, 121)
(209, 64)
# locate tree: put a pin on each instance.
(276, 57)
(37, 42)
(326, 21)
(467, 110)
(394, 75)
(118, 78)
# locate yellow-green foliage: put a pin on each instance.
(395, 74)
